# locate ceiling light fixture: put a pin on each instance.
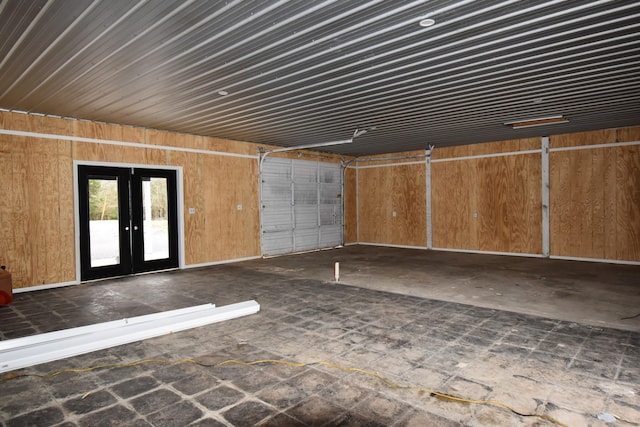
(223, 93)
(541, 121)
(427, 22)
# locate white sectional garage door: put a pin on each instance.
(301, 205)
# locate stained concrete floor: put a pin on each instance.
(542, 336)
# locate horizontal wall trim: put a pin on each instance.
(602, 260)
(226, 261)
(121, 143)
(391, 164)
(484, 156)
(472, 251)
(44, 287)
(587, 147)
(390, 245)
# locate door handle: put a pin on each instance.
(135, 228)
(126, 228)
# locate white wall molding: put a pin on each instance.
(226, 261)
(388, 165)
(486, 156)
(45, 287)
(472, 251)
(593, 146)
(121, 143)
(601, 260)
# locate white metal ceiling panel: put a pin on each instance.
(309, 71)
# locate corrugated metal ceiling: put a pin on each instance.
(307, 71)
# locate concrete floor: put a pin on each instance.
(541, 336)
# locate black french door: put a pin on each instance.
(128, 220)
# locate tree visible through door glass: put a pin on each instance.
(156, 218)
(103, 222)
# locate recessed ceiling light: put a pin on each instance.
(223, 93)
(527, 123)
(427, 22)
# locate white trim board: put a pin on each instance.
(603, 260)
(485, 156)
(387, 165)
(74, 342)
(120, 143)
(588, 147)
(44, 287)
(384, 245)
(226, 261)
(472, 251)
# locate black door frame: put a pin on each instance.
(131, 224)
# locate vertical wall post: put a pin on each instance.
(357, 203)
(427, 173)
(545, 196)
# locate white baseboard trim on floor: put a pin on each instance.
(44, 287)
(226, 261)
(604, 260)
(472, 251)
(385, 245)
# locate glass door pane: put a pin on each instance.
(155, 210)
(104, 218)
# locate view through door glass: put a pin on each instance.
(103, 222)
(155, 209)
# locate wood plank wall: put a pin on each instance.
(487, 204)
(595, 196)
(37, 210)
(388, 187)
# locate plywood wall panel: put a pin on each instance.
(605, 136)
(488, 203)
(628, 203)
(595, 200)
(451, 205)
(40, 247)
(384, 190)
(628, 134)
(350, 206)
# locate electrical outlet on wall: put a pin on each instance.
(239, 207)
(393, 214)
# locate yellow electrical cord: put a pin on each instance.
(384, 380)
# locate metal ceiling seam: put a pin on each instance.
(450, 95)
(17, 44)
(208, 58)
(492, 59)
(500, 116)
(200, 45)
(378, 94)
(51, 46)
(200, 23)
(498, 65)
(401, 111)
(197, 46)
(53, 73)
(350, 65)
(333, 35)
(454, 101)
(183, 5)
(387, 63)
(301, 49)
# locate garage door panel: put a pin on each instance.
(301, 205)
